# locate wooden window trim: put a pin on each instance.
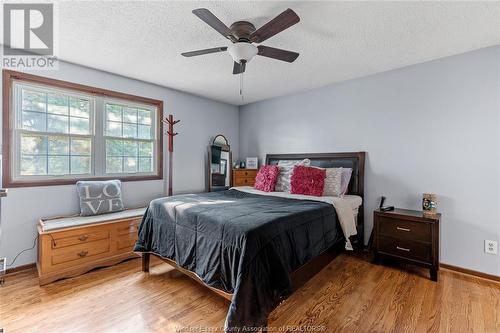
(8, 76)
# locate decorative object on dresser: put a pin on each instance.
(407, 236)
(244, 177)
(252, 162)
(219, 162)
(71, 246)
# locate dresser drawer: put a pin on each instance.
(127, 242)
(245, 173)
(244, 181)
(81, 252)
(61, 240)
(131, 227)
(405, 248)
(404, 229)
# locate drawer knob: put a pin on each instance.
(246, 180)
(403, 229)
(402, 249)
(83, 254)
(83, 238)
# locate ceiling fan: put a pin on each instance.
(243, 34)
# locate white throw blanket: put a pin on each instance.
(345, 207)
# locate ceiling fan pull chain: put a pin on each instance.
(241, 88)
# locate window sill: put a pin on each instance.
(7, 183)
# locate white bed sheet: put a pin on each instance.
(346, 207)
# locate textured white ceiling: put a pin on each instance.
(336, 41)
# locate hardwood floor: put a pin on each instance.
(349, 295)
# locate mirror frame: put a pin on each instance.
(224, 145)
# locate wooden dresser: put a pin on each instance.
(407, 236)
(69, 252)
(244, 177)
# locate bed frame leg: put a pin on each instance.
(145, 262)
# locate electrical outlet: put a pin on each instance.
(491, 246)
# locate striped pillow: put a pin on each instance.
(286, 171)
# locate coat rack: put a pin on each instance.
(171, 122)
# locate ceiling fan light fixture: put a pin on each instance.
(243, 34)
(242, 51)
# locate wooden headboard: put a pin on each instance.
(355, 160)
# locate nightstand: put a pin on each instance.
(244, 177)
(407, 236)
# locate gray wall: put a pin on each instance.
(201, 120)
(432, 127)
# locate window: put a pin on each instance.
(54, 132)
(60, 134)
(129, 139)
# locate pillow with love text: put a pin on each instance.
(99, 197)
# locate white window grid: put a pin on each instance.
(97, 135)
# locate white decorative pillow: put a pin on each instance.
(333, 182)
(286, 170)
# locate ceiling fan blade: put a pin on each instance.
(206, 51)
(279, 54)
(239, 67)
(206, 16)
(276, 25)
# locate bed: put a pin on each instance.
(251, 248)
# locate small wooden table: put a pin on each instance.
(407, 236)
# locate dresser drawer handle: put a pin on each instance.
(83, 254)
(246, 180)
(246, 173)
(83, 238)
(402, 249)
(403, 229)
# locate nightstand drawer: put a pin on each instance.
(404, 229)
(405, 248)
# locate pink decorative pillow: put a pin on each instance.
(308, 180)
(266, 178)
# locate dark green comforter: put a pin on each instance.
(242, 243)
